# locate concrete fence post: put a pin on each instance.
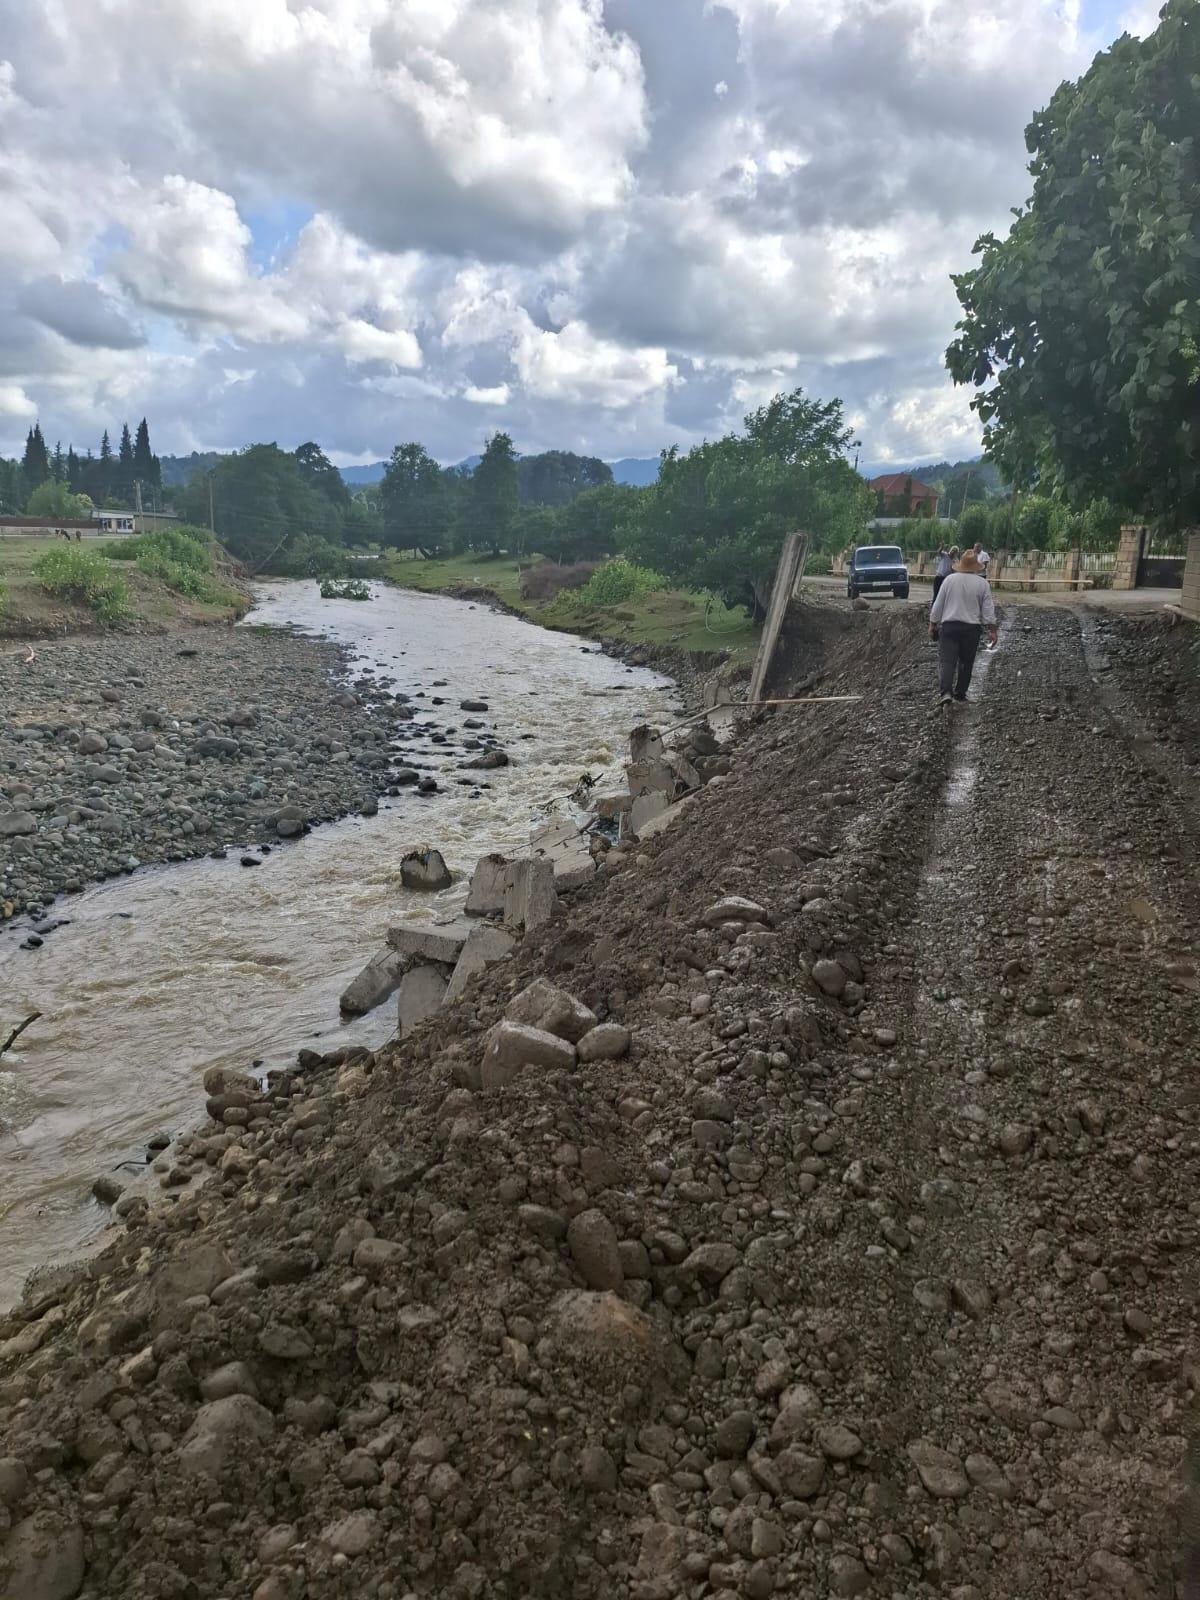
(1189, 602)
(1129, 554)
(790, 559)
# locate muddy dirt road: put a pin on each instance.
(869, 1269)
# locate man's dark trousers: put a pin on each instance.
(958, 643)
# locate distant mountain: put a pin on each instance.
(359, 477)
(637, 470)
(177, 470)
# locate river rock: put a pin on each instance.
(425, 871)
(592, 1241)
(472, 705)
(609, 1041)
(223, 1431)
(544, 1005)
(15, 823)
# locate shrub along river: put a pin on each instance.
(155, 977)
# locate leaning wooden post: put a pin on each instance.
(795, 547)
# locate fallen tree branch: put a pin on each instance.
(18, 1031)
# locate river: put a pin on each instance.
(159, 976)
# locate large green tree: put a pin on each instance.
(495, 494)
(322, 475)
(125, 473)
(36, 461)
(262, 505)
(146, 468)
(414, 502)
(717, 516)
(1081, 328)
(557, 476)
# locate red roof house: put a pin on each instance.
(899, 494)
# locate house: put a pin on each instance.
(899, 494)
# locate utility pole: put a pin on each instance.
(137, 500)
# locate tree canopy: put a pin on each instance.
(1081, 328)
(415, 501)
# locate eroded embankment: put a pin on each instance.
(771, 1303)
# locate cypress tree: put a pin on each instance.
(125, 473)
(35, 463)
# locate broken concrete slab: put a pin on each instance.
(610, 807)
(663, 820)
(529, 897)
(378, 979)
(485, 898)
(511, 1047)
(422, 990)
(569, 851)
(484, 947)
(431, 941)
(653, 769)
(645, 808)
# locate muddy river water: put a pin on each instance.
(158, 976)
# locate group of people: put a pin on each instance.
(962, 609)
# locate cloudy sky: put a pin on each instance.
(601, 224)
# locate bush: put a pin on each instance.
(973, 526)
(308, 556)
(82, 575)
(181, 558)
(344, 589)
(618, 581)
(818, 565)
(547, 579)
(3, 592)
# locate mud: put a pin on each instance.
(869, 1269)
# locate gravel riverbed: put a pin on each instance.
(122, 751)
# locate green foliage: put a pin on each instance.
(35, 463)
(72, 573)
(1036, 522)
(1081, 329)
(344, 589)
(53, 498)
(309, 556)
(415, 502)
(186, 545)
(973, 526)
(717, 517)
(263, 504)
(915, 533)
(618, 581)
(494, 494)
(322, 476)
(818, 565)
(555, 477)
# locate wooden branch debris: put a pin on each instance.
(18, 1031)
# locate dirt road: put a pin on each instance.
(869, 1270)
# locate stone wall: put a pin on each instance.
(1129, 553)
(1190, 599)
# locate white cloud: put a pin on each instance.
(363, 341)
(497, 395)
(599, 223)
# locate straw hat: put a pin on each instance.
(969, 562)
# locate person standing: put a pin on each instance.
(945, 566)
(963, 609)
(983, 559)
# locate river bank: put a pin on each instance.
(854, 1258)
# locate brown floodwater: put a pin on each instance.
(163, 974)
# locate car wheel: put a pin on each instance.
(851, 592)
(900, 592)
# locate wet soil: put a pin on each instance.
(870, 1269)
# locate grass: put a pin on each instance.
(679, 617)
(31, 610)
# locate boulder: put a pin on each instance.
(510, 1047)
(224, 1432)
(42, 1559)
(489, 760)
(13, 823)
(608, 1041)
(529, 897)
(422, 990)
(485, 897)
(425, 871)
(472, 705)
(544, 1005)
(378, 979)
(484, 946)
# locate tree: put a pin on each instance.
(262, 506)
(323, 476)
(123, 485)
(1081, 328)
(494, 492)
(58, 463)
(557, 476)
(54, 499)
(74, 469)
(146, 468)
(12, 488)
(717, 517)
(590, 525)
(35, 463)
(413, 502)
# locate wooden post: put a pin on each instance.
(795, 547)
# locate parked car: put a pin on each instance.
(877, 566)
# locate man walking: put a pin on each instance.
(983, 559)
(963, 609)
(945, 566)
